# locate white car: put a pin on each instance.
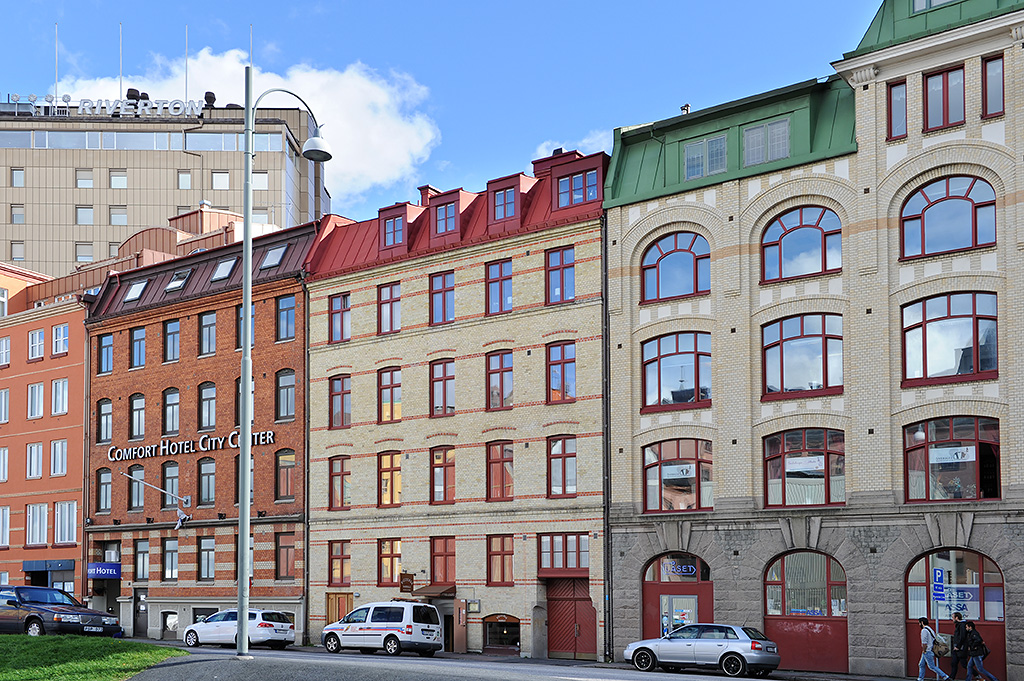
(266, 627)
(391, 626)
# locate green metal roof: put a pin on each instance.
(649, 161)
(896, 22)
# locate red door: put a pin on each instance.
(817, 644)
(572, 620)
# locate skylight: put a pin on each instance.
(273, 257)
(178, 280)
(224, 268)
(135, 290)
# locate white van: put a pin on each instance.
(392, 626)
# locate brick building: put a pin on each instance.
(425, 464)
(164, 367)
(811, 428)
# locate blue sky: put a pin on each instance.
(447, 93)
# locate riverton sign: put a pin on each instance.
(206, 443)
(141, 107)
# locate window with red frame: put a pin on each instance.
(500, 555)
(285, 543)
(944, 99)
(951, 214)
(562, 466)
(442, 387)
(389, 382)
(560, 273)
(803, 354)
(499, 286)
(897, 95)
(678, 476)
(389, 564)
(992, 87)
(564, 555)
(562, 372)
(499, 471)
(677, 371)
(504, 203)
(805, 584)
(389, 308)
(340, 569)
(952, 459)
(442, 298)
(442, 560)
(442, 475)
(676, 266)
(445, 218)
(341, 401)
(285, 475)
(499, 380)
(341, 318)
(578, 188)
(802, 243)
(389, 473)
(950, 338)
(340, 485)
(393, 231)
(805, 467)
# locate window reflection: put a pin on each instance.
(951, 214)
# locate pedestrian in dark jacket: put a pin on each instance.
(958, 656)
(976, 649)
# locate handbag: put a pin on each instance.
(984, 650)
(940, 645)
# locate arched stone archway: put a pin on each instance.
(677, 590)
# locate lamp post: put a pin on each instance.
(315, 149)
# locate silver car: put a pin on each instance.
(735, 650)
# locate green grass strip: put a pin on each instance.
(77, 658)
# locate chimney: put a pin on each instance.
(426, 191)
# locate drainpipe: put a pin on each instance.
(305, 459)
(606, 481)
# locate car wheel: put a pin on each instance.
(278, 645)
(367, 651)
(644, 660)
(426, 653)
(35, 628)
(392, 646)
(191, 639)
(332, 643)
(733, 665)
(762, 673)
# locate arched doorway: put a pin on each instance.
(501, 635)
(677, 590)
(956, 580)
(805, 611)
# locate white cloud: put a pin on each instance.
(371, 121)
(593, 142)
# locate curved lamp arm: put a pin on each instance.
(281, 89)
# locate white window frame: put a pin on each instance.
(65, 522)
(219, 178)
(187, 175)
(59, 396)
(36, 343)
(5, 405)
(85, 215)
(36, 395)
(5, 529)
(260, 180)
(3, 464)
(705, 157)
(35, 524)
(33, 460)
(5, 350)
(765, 134)
(118, 173)
(58, 458)
(3, 302)
(60, 338)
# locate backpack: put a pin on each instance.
(940, 643)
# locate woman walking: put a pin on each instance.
(977, 650)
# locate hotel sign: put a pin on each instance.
(206, 443)
(141, 107)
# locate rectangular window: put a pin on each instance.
(17, 250)
(105, 354)
(446, 218)
(104, 420)
(3, 302)
(390, 391)
(442, 298)
(442, 560)
(17, 213)
(60, 339)
(34, 460)
(172, 340)
(223, 269)
(177, 281)
(285, 477)
(285, 318)
(499, 471)
(112, 247)
(285, 553)
(138, 339)
(562, 466)
(36, 343)
(898, 110)
(35, 400)
(184, 179)
(5, 405)
(499, 380)
(705, 157)
(565, 554)
(992, 87)
(83, 251)
(504, 203)
(500, 554)
(207, 481)
(340, 568)
(944, 99)
(141, 560)
(393, 232)
(5, 529)
(17, 177)
(119, 179)
(341, 318)
(83, 215)
(389, 475)
(59, 396)
(340, 492)
(766, 143)
(499, 286)
(83, 178)
(170, 559)
(35, 524)
(442, 475)
(273, 257)
(922, 5)
(119, 215)
(207, 558)
(260, 216)
(207, 333)
(389, 564)
(442, 387)
(207, 406)
(172, 411)
(221, 180)
(136, 490)
(341, 401)
(5, 350)
(560, 274)
(135, 290)
(389, 308)
(3, 464)
(65, 527)
(561, 360)
(169, 481)
(260, 181)
(578, 188)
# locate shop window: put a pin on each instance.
(952, 459)
(805, 467)
(501, 635)
(676, 266)
(951, 214)
(969, 583)
(678, 476)
(801, 243)
(805, 584)
(950, 338)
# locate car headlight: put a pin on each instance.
(74, 619)
(110, 620)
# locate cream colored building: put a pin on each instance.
(812, 430)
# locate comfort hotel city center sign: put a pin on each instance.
(206, 443)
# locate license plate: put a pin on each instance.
(281, 631)
(93, 629)
(771, 649)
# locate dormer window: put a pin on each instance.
(766, 142)
(504, 203)
(578, 188)
(393, 231)
(446, 218)
(177, 281)
(224, 268)
(135, 290)
(273, 257)
(922, 5)
(705, 157)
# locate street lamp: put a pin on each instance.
(317, 150)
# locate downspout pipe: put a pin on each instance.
(606, 481)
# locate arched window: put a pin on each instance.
(172, 400)
(803, 353)
(951, 214)
(950, 338)
(805, 467)
(805, 584)
(677, 476)
(800, 243)
(975, 581)
(677, 371)
(676, 266)
(952, 459)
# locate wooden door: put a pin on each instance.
(572, 620)
(338, 605)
